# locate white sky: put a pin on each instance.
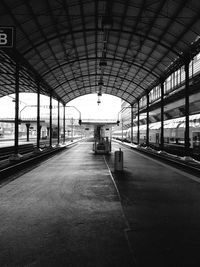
(107, 109)
(87, 105)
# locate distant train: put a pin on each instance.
(174, 131)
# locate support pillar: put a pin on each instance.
(27, 131)
(16, 156)
(38, 117)
(147, 130)
(162, 117)
(64, 123)
(17, 108)
(48, 131)
(58, 132)
(122, 130)
(50, 121)
(138, 124)
(131, 123)
(187, 110)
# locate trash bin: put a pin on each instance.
(118, 160)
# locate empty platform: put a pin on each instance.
(73, 210)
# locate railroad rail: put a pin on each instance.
(32, 159)
(186, 164)
(24, 148)
(6, 152)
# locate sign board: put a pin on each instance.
(6, 37)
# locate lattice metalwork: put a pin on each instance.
(70, 46)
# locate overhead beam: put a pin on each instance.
(108, 59)
(123, 98)
(94, 74)
(140, 35)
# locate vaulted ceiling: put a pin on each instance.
(78, 47)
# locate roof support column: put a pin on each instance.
(187, 110)
(122, 130)
(162, 116)
(64, 123)
(138, 123)
(131, 123)
(17, 108)
(38, 116)
(147, 130)
(58, 122)
(27, 131)
(50, 121)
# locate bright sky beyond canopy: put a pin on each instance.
(87, 105)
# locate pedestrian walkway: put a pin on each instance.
(65, 212)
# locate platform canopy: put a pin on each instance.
(77, 47)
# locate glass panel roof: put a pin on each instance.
(69, 46)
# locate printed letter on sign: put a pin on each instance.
(3, 39)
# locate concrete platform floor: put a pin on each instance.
(162, 207)
(65, 212)
(74, 210)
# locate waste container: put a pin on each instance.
(118, 166)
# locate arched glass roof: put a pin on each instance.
(77, 47)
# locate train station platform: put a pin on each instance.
(75, 210)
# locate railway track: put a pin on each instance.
(6, 152)
(28, 162)
(183, 163)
